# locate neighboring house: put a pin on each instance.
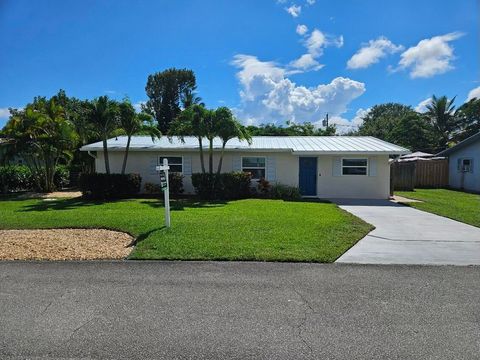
(464, 164)
(321, 166)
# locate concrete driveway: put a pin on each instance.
(205, 310)
(404, 235)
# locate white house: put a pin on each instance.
(463, 163)
(321, 166)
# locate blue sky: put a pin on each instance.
(269, 60)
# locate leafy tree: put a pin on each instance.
(382, 119)
(468, 118)
(165, 91)
(227, 128)
(413, 132)
(133, 123)
(104, 117)
(189, 98)
(292, 129)
(43, 136)
(441, 114)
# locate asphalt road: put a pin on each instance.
(189, 310)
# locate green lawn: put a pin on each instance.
(456, 205)
(252, 229)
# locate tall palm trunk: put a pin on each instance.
(210, 156)
(105, 155)
(202, 161)
(220, 162)
(124, 166)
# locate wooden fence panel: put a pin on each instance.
(432, 173)
(423, 173)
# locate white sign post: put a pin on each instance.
(163, 169)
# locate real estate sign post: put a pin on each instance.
(163, 169)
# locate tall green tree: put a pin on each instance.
(441, 114)
(413, 132)
(292, 129)
(468, 119)
(382, 119)
(165, 91)
(104, 116)
(133, 123)
(43, 136)
(227, 128)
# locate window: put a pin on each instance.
(255, 166)
(464, 165)
(354, 166)
(175, 163)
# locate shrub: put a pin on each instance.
(263, 187)
(15, 178)
(109, 186)
(284, 192)
(175, 182)
(62, 177)
(235, 185)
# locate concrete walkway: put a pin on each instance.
(404, 235)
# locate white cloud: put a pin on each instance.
(4, 113)
(317, 41)
(344, 125)
(306, 62)
(138, 105)
(372, 52)
(474, 93)
(302, 29)
(311, 2)
(267, 95)
(430, 56)
(294, 10)
(422, 105)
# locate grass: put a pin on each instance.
(457, 205)
(252, 229)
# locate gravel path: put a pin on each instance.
(64, 244)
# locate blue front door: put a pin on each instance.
(307, 179)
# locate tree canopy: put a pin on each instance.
(292, 129)
(168, 91)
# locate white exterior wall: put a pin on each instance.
(286, 171)
(471, 180)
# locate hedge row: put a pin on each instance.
(20, 178)
(109, 186)
(226, 186)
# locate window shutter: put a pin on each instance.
(372, 167)
(337, 166)
(237, 163)
(471, 165)
(271, 169)
(152, 166)
(459, 165)
(187, 165)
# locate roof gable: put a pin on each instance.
(468, 141)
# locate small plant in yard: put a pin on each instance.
(285, 192)
(175, 183)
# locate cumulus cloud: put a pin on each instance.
(302, 29)
(138, 105)
(344, 125)
(294, 10)
(422, 105)
(306, 62)
(311, 2)
(372, 52)
(474, 93)
(318, 40)
(268, 96)
(430, 56)
(4, 113)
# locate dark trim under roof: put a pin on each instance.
(472, 139)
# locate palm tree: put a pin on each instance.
(189, 98)
(441, 114)
(133, 123)
(227, 128)
(103, 115)
(191, 121)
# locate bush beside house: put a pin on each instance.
(109, 186)
(20, 178)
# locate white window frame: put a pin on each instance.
(164, 155)
(254, 167)
(354, 158)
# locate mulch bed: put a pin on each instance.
(64, 244)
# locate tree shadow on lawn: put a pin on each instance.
(181, 204)
(145, 235)
(61, 204)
